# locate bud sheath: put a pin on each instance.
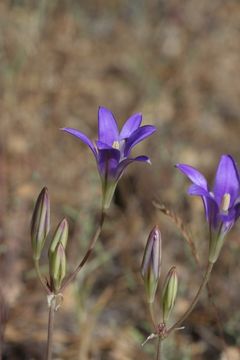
(169, 293)
(151, 263)
(57, 266)
(40, 223)
(60, 235)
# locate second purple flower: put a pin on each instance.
(112, 150)
(222, 203)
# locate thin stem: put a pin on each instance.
(87, 254)
(152, 314)
(1, 344)
(42, 281)
(159, 345)
(195, 300)
(50, 328)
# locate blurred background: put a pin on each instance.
(178, 63)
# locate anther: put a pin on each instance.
(116, 145)
(225, 202)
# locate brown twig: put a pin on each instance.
(180, 225)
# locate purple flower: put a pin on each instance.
(113, 148)
(222, 204)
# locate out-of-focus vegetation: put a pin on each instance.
(177, 62)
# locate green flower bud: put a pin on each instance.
(169, 293)
(151, 263)
(57, 266)
(60, 236)
(40, 223)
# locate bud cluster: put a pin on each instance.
(150, 271)
(40, 226)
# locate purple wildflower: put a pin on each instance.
(113, 148)
(222, 205)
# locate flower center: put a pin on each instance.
(116, 145)
(225, 202)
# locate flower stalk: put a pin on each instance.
(89, 251)
(51, 315)
(41, 279)
(159, 348)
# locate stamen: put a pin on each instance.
(225, 202)
(116, 145)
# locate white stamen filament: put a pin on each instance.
(225, 202)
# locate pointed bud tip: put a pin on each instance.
(151, 263)
(60, 236)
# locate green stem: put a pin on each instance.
(72, 276)
(50, 328)
(42, 281)
(152, 314)
(159, 345)
(195, 300)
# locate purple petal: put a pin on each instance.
(123, 164)
(237, 211)
(230, 218)
(194, 175)
(107, 127)
(210, 205)
(137, 136)
(101, 146)
(130, 126)
(226, 180)
(108, 160)
(198, 191)
(82, 137)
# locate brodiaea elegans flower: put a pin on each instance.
(222, 204)
(113, 148)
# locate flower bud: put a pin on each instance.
(57, 266)
(40, 223)
(169, 293)
(151, 263)
(60, 236)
